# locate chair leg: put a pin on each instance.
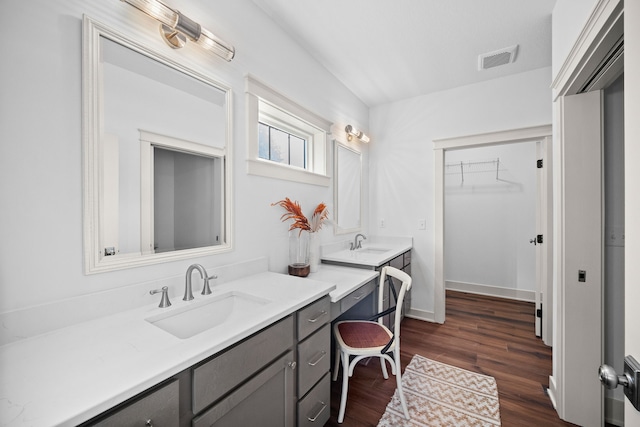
(345, 386)
(403, 402)
(383, 365)
(336, 364)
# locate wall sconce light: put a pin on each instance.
(351, 132)
(175, 28)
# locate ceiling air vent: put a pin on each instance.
(497, 58)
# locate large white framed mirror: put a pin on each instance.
(347, 190)
(157, 148)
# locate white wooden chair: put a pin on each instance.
(371, 338)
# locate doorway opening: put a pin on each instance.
(541, 134)
(490, 227)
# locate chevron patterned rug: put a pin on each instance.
(442, 395)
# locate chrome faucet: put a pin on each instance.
(357, 244)
(164, 302)
(188, 294)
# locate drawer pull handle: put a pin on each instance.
(315, 362)
(148, 423)
(292, 365)
(322, 408)
(315, 319)
(359, 296)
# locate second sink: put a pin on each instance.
(198, 317)
(371, 250)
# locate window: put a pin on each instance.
(285, 140)
(281, 147)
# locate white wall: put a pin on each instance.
(490, 218)
(41, 258)
(568, 19)
(401, 154)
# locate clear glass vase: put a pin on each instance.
(299, 253)
(314, 251)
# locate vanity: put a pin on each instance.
(274, 359)
(110, 369)
(258, 381)
(375, 253)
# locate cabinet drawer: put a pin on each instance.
(397, 262)
(161, 407)
(315, 408)
(314, 359)
(356, 296)
(265, 400)
(313, 316)
(218, 376)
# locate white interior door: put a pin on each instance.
(539, 214)
(632, 194)
(544, 252)
(580, 291)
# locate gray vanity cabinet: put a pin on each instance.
(245, 385)
(219, 375)
(278, 377)
(401, 262)
(267, 399)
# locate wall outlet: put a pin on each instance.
(422, 224)
(382, 223)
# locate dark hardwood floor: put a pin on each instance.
(488, 335)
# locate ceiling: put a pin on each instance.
(385, 50)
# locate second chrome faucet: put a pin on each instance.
(357, 244)
(206, 290)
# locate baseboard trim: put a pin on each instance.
(494, 291)
(414, 313)
(551, 392)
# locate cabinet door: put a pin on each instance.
(218, 376)
(268, 399)
(158, 408)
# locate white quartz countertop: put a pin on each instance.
(374, 252)
(345, 279)
(69, 375)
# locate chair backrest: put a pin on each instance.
(406, 285)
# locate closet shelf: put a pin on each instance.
(462, 167)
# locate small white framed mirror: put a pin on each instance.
(347, 190)
(157, 147)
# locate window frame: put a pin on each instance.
(266, 105)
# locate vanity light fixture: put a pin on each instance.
(351, 132)
(175, 28)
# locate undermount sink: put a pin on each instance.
(372, 250)
(198, 317)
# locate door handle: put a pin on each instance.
(537, 239)
(629, 379)
(610, 378)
